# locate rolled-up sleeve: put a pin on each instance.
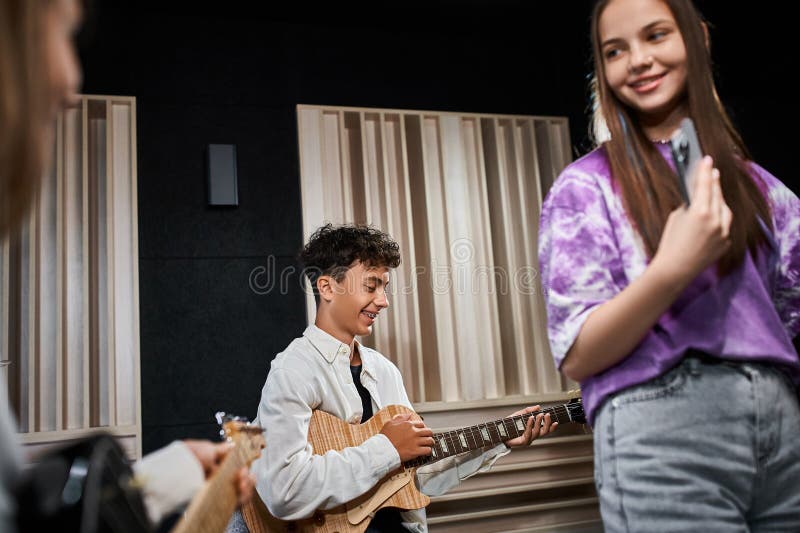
(578, 255)
(438, 478)
(785, 207)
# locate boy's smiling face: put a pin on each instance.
(352, 304)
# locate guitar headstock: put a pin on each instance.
(573, 393)
(246, 436)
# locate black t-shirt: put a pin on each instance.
(366, 399)
(387, 520)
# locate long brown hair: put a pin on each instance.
(23, 108)
(649, 187)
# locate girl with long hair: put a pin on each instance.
(677, 320)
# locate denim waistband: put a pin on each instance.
(694, 358)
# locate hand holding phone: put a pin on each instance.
(686, 153)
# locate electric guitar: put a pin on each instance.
(327, 432)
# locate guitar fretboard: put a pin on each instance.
(450, 443)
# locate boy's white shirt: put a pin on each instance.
(314, 373)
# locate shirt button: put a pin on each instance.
(615, 402)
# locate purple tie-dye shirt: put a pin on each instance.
(589, 252)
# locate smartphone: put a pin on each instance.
(686, 154)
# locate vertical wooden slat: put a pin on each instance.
(429, 364)
(89, 386)
(124, 373)
(73, 321)
(17, 280)
(46, 298)
(134, 206)
(412, 300)
(464, 249)
(367, 170)
(402, 340)
(489, 296)
(309, 132)
(122, 275)
(525, 258)
(546, 376)
(545, 152)
(98, 267)
(335, 186)
(502, 223)
(71, 291)
(344, 210)
(566, 145)
(375, 209)
(446, 344)
(391, 322)
(352, 172)
(516, 250)
(33, 320)
(60, 285)
(480, 275)
(109, 257)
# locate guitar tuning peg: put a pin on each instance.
(222, 433)
(220, 416)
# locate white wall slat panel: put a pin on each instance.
(461, 193)
(69, 326)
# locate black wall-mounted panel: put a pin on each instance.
(223, 188)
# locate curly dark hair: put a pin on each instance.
(332, 250)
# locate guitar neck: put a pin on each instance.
(456, 442)
(212, 508)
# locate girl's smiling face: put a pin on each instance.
(644, 58)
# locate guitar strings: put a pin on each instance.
(455, 445)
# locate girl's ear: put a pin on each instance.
(324, 288)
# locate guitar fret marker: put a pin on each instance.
(501, 427)
(443, 445)
(463, 440)
(520, 424)
(485, 433)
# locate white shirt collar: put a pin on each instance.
(329, 347)
(326, 344)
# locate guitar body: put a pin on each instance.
(327, 432)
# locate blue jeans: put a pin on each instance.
(709, 446)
